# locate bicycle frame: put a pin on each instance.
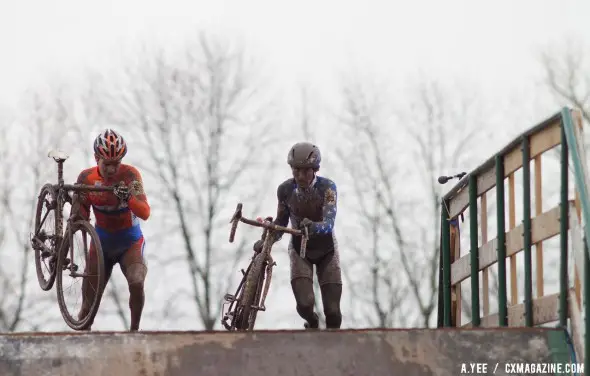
(62, 192)
(60, 251)
(270, 229)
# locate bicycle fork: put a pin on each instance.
(270, 264)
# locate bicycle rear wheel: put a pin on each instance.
(46, 239)
(93, 275)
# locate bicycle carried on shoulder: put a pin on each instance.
(253, 288)
(54, 247)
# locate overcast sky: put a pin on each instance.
(491, 42)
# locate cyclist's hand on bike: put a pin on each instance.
(258, 246)
(306, 223)
(135, 188)
(122, 192)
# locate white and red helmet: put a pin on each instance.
(110, 145)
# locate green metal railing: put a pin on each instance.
(502, 295)
(569, 144)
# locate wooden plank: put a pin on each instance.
(545, 310)
(545, 140)
(540, 142)
(485, 181)
(543, 227)
(512, 161)
(489, 321)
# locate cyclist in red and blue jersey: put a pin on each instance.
(308, 200)
(117, 217)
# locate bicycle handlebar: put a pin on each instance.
(87, 187)
(237, 217)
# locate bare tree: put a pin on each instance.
(373, 281)
(393, 164)
(444, 124)
(10, 310)
(566, 75)
(203, 122)
(23, 162)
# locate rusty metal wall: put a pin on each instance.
(283, 353)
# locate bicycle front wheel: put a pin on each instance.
(250, 291)
(76, 264)
(261, 287)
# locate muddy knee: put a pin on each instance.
(331, 293)
(303, 292)
(135, 275)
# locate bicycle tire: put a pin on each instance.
(258, 296)
(250, 288)
(85, 322)
(47, 189)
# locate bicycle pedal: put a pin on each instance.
(243, 272)
(229, 298)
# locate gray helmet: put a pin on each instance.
(304, 155)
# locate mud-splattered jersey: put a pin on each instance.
(317, 203)
(112, 217)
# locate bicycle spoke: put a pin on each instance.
(81, 277)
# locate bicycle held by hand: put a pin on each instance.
(253, 288)
(54, 247)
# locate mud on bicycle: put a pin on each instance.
(54, 247)
(240, 310)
